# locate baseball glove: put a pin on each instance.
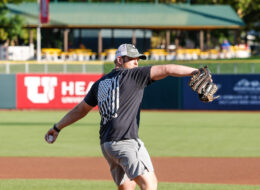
(201, 82)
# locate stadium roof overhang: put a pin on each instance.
(131, 16)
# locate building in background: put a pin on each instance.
(101, 26)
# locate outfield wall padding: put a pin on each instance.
(7, 91)
(163, 94)
(237, 92)
(52, 91)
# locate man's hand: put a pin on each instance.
(51, 135)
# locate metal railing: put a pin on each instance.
(104, 67)
(15, 67)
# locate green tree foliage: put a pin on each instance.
(11, 27)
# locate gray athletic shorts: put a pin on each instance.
(127, 159)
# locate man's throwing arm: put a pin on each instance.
(159, 72)
(78, 112)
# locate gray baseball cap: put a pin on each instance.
(129, 50)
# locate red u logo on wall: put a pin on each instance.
(40, 89)
(52, 91)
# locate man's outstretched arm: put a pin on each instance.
(78, 112)
(161, 71)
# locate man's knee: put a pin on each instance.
(127, 185)
(147, 181)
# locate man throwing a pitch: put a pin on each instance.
(118, 96)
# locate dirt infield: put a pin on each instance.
(186, 170)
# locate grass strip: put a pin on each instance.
(51, 184)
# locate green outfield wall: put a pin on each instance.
(64, 91)
(163, 94)
(7, 91)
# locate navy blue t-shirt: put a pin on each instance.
(118, 96)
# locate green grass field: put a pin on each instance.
(199, 134)
(193, 134)
(106, 185)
